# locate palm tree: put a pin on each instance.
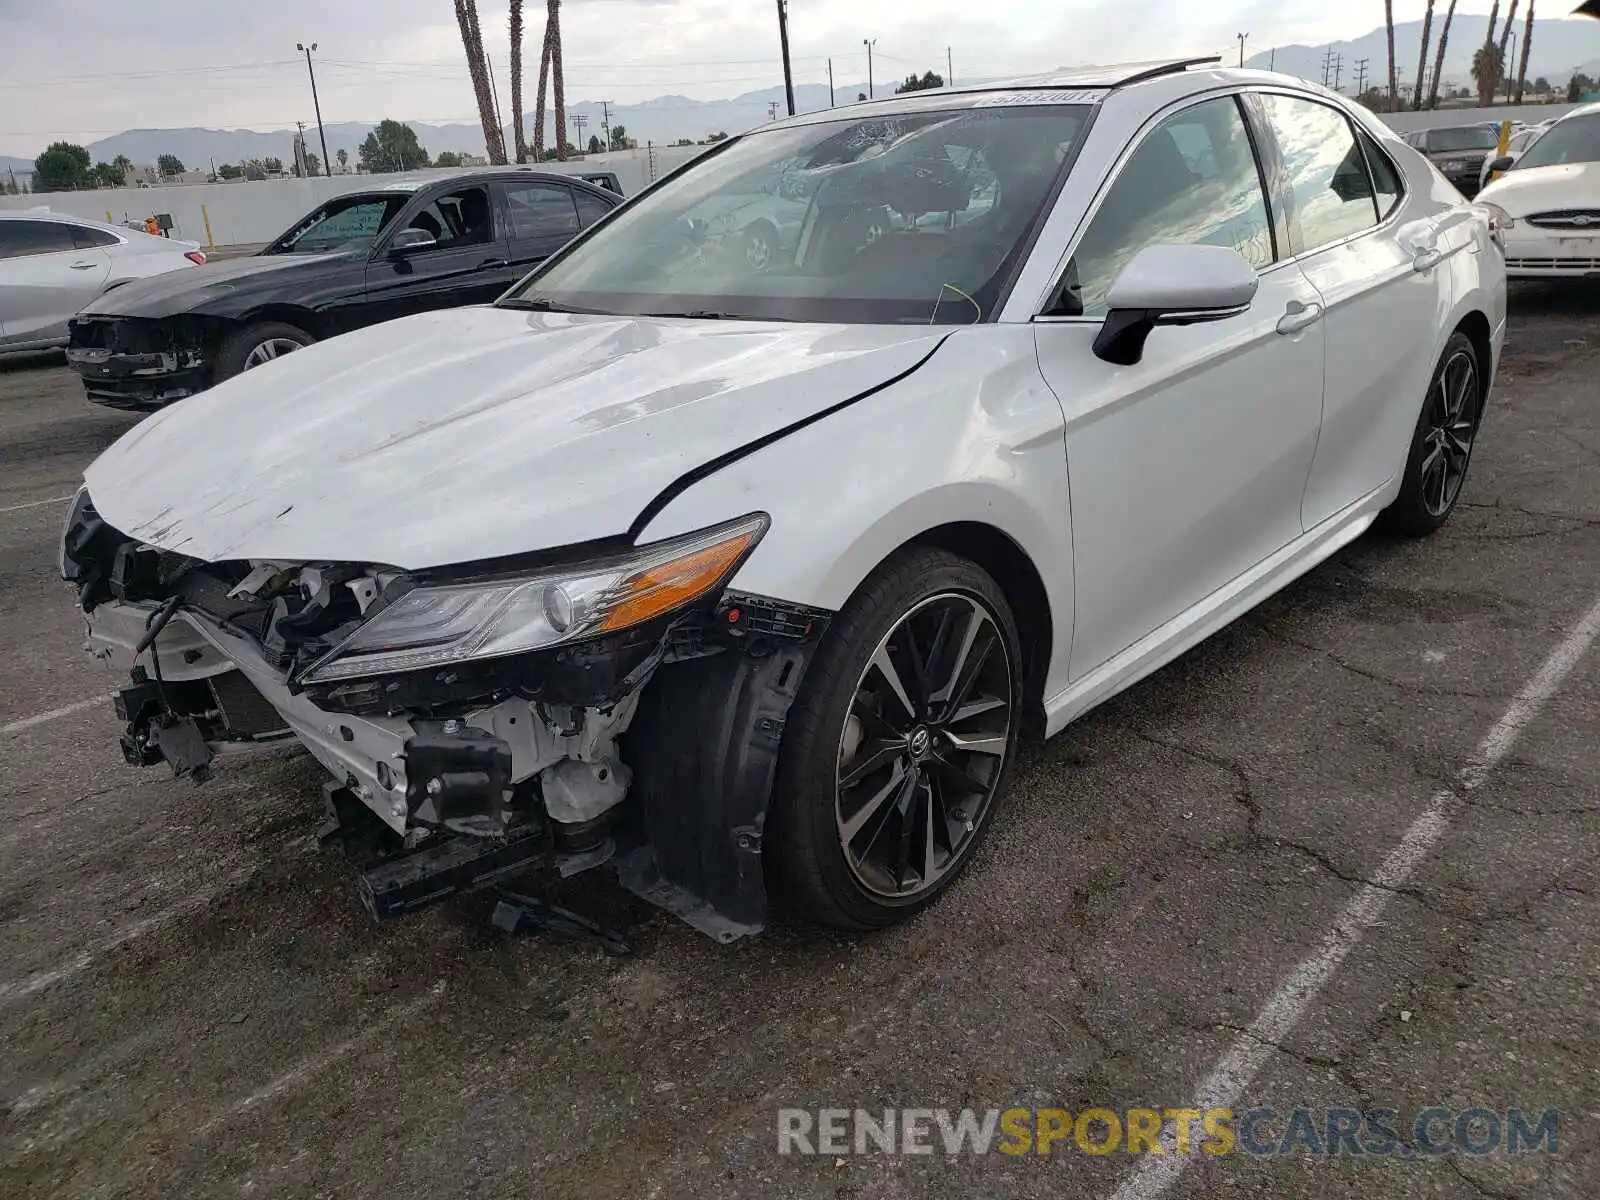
(1527, 41)
(1505, 36)
(343, 156)
(123, 164)
(477, 67)
(1486, 72)
(518, 136)
(1422, 58)
(1438, 61)
(550, 72)
(1394, 84)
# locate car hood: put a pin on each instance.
(475, 433)
(1537, 189)
(184, 291)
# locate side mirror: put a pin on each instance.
(1172, 285)
(1504, 163)
(411, 241)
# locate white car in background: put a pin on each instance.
(734, 572)
(51, 265)
(1516, 147)
(1548, 201)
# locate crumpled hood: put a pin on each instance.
(1544, 189)
(474, 433)
(184, 291)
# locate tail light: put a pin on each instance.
(197, 257)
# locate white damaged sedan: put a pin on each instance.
(744, 574)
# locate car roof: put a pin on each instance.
(416, 181)
(25, 214)
(1583, 110)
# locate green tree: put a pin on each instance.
(230, 171)
(620, 139)
(1541, 86)
(313, 164)
(922, 83)
(596, 146)
(392, 146)
(1577, 86)
(106, 175)
(718, 136)
(447, 158)
(61, 168)
(343, 156)
(273, 165)
(1486, 70)
(169, 164)
(255, 169)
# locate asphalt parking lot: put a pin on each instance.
(194, 1003)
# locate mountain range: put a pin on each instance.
(1560, 47)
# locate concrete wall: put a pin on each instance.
(1528, 114)
(252, 213)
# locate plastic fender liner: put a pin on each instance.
(704, 747)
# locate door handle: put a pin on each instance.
(1427, 260)
(1299, 316)
(493, 262)
(88, 266)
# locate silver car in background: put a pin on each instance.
(51, 265)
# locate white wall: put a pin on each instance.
(242, 213)
(1530, 114)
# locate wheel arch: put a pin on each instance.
(289, 314)
(1476, 327)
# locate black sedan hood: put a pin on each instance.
(186, 291)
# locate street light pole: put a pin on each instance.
(1242, 39)
(869, 43)
(316, 104)
(783, 37)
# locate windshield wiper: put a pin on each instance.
(698, 314)
(541, 304)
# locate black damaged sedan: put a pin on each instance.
(402, 247)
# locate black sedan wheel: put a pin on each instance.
(258, 344)
(896, 753)
(1441, 444)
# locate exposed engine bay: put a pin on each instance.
(581, 748)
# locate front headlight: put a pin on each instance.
(432, 625)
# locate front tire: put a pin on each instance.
(897, 751)
(1441, 444)
(257, 344)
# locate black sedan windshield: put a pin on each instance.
(1466, 137)
(912, 217)
(338, 223)
(1575, 140)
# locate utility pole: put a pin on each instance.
(869, 43)
(783, 39)
(1243, 37)
(830, 83)
(772, 110)
(1361, 77)
(605, 121)
(1327, 65)
(299, 150)
(315, 103)
(1338, 70)
(949, 69)
(578, 121)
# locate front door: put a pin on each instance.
(45, 277)
(469, 262)
(1186, 469)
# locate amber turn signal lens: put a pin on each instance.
(666, 586)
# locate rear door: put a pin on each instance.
(45, 278)
(543, 218)
(1375, 256)
(469, 262)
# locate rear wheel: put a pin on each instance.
(257, 344)
(897, 751)
(1441, 444)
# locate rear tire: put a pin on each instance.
(258, 343)
(878, 807)
(1441, 443)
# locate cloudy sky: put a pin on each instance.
(82, 69)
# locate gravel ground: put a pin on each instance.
(193, 1002)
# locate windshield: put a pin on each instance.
(1575, 140)
(911, 218)
(339, 223)
(1468, 137)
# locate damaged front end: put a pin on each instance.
(617, 707)
(140, 363)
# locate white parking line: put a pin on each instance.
(37, 982)
(309, 1068)
(35, 504)
(1236, 1069)
(41, 718)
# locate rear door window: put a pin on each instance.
(85, 238)
(23, 239)
(1330, 192)
(541, 210)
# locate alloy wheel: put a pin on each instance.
(268, 350)
(1452, 423)
(924, 746)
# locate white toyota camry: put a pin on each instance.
(1548, 201)
(745, 574)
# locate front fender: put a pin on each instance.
(972, 437)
